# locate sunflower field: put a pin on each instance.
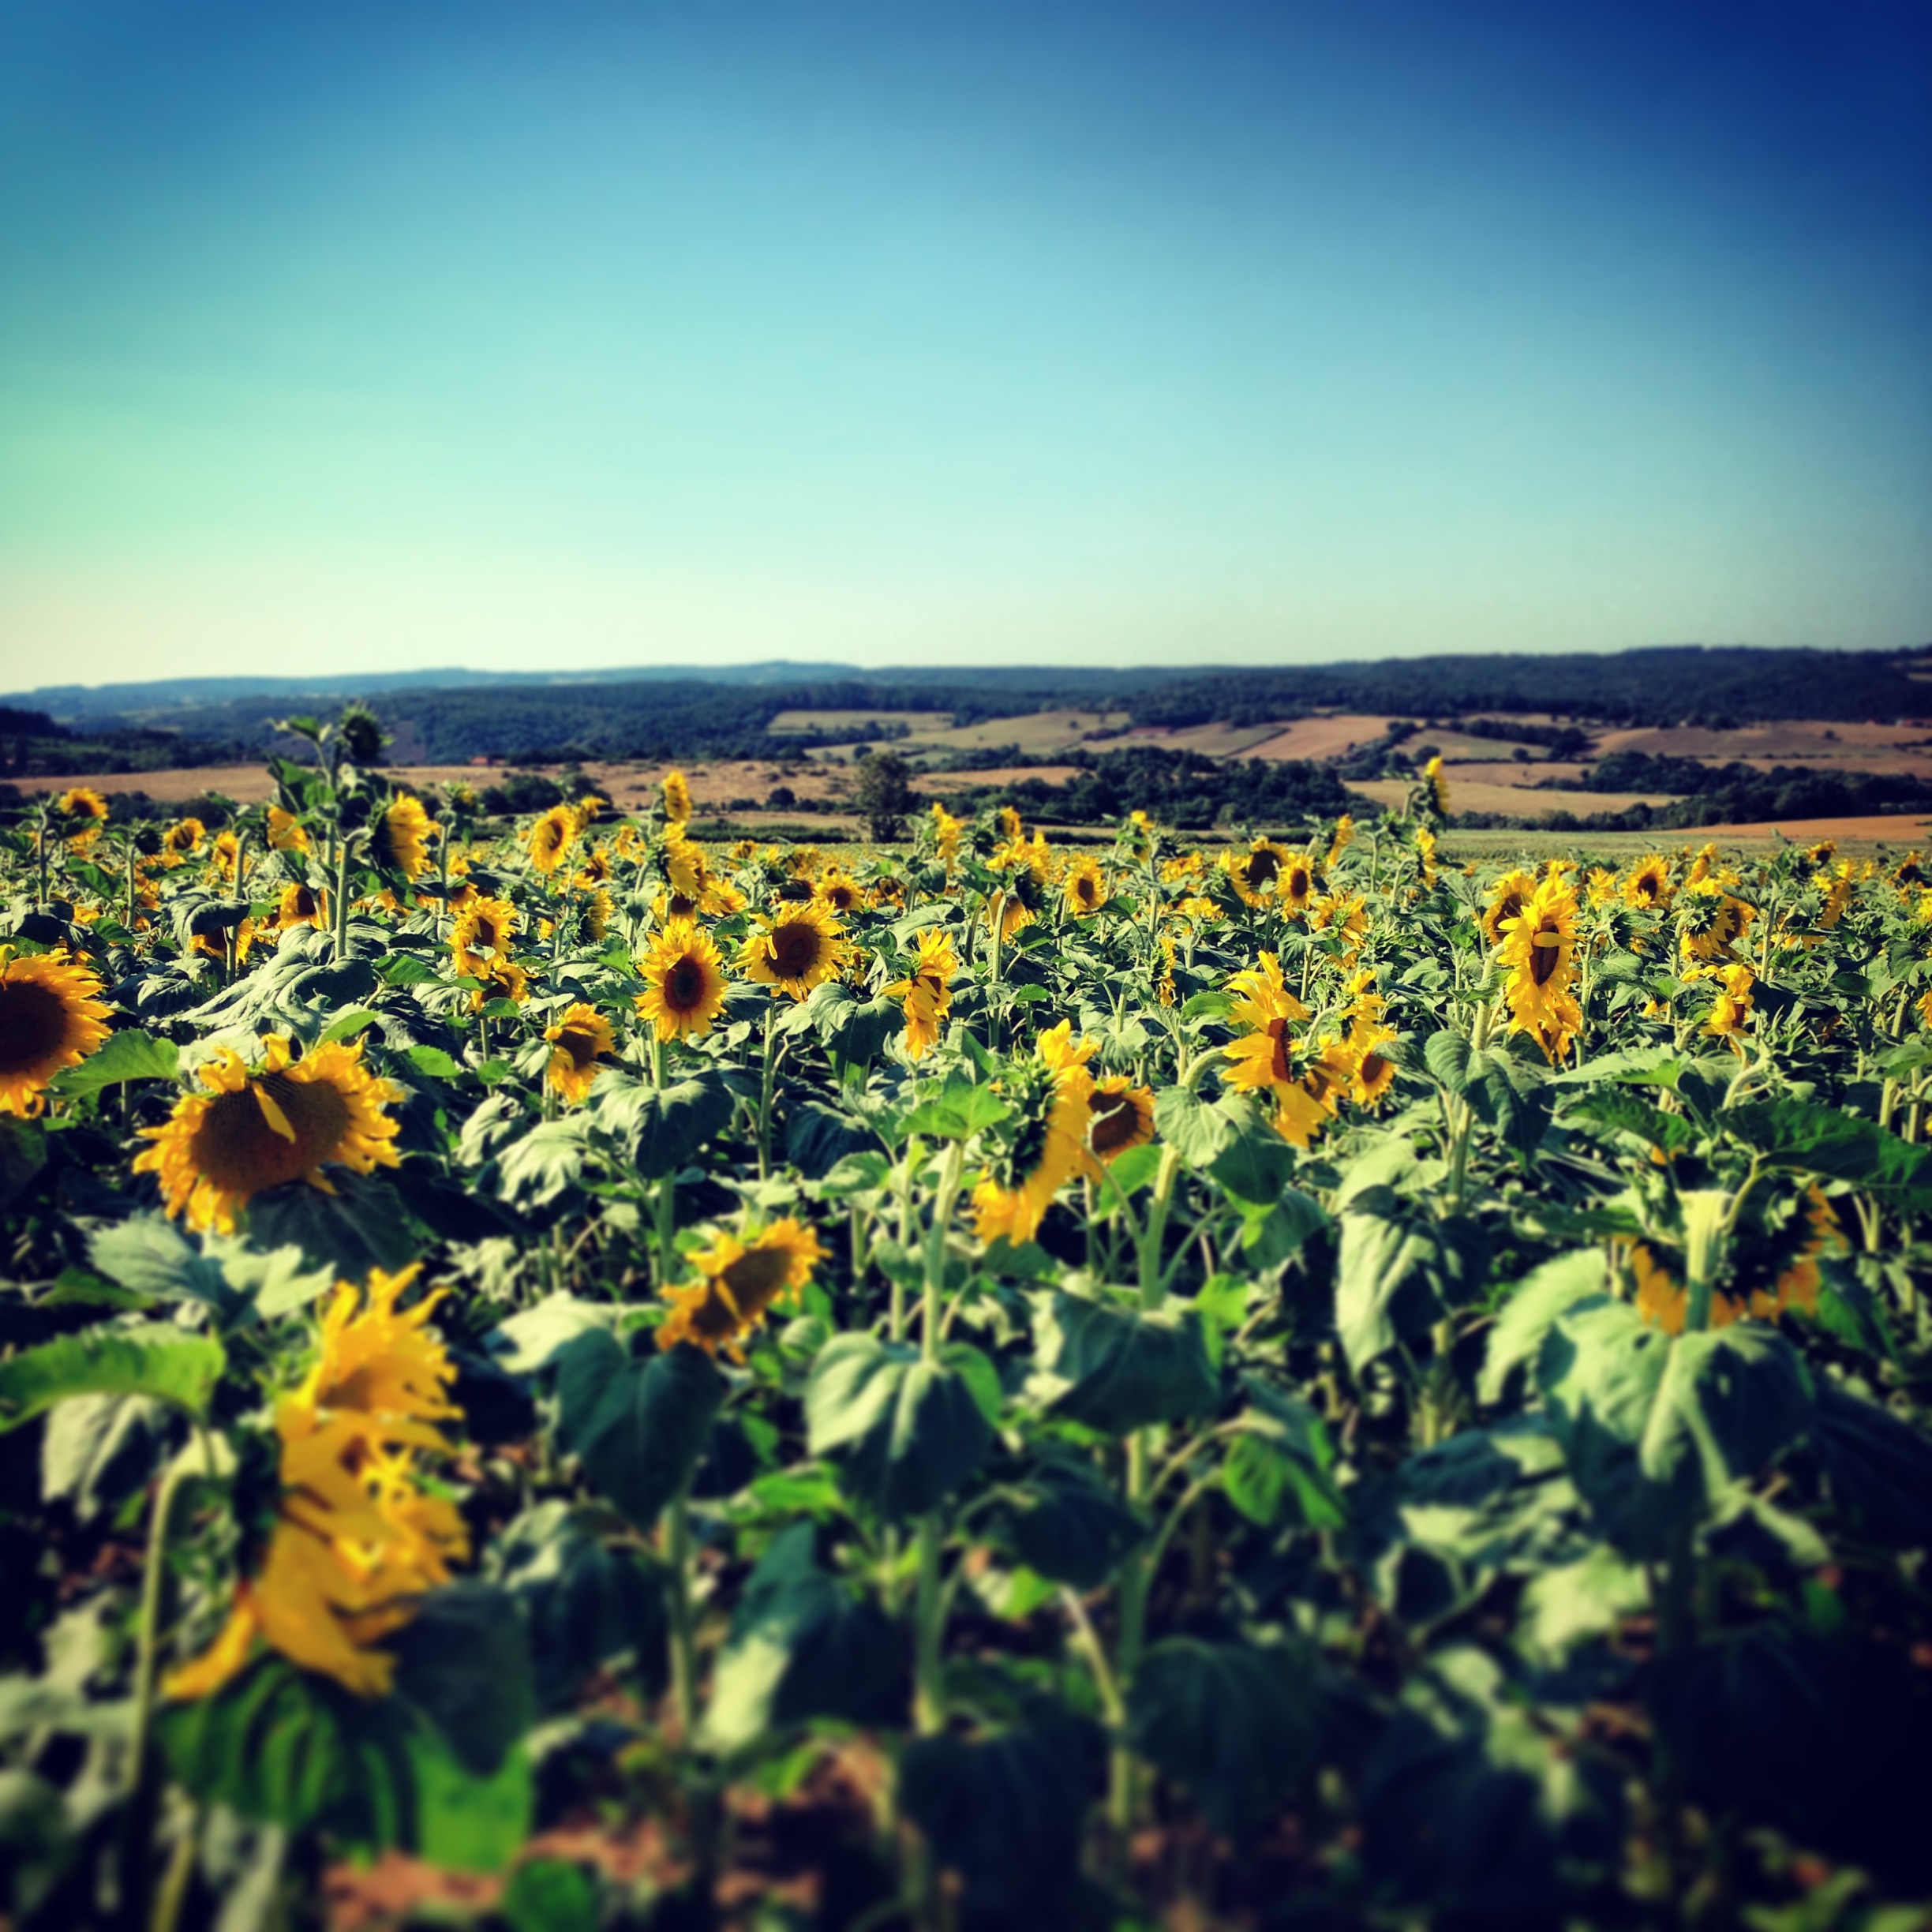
(553, 1376)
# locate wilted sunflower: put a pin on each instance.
(263, 1127)
(1540, 951)
(839, 892)
(302, 905)
(481, 933)
(285, 831)
(1085, 888)
(1045, 1144)
(927, 992)
(677, 798)
(1507, 897)
(1119, 1116)
(1253, 874)
(738, 1284)
(1710, 921)
(550, 838)
(581, 1038)
(684, 982)
(51, 1018)
(1650, 883)
(798, 948)
(400, 838)
(356, 1543)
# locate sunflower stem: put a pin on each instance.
(765, 1092)
(1153, 1237)
(342, 898)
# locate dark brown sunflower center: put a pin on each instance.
(487, 933)
(1087, 890)
(684, 985)
(1281, 1066)
(1301, 882)
(841, 898)
(1545, 954)
(795, 949)
(581, 1044)
(1507, 909)
(1648, 885)
(1262, 867)
(33, 1024)
(755, 1278)
(237, 1148)
(302, 904)
(1116, 1122)
(1373, 1067)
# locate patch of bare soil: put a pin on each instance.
(1322, 737)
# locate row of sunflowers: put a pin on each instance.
(997, 1381)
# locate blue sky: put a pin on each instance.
(365, 335)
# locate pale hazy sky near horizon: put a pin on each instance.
(373, 335)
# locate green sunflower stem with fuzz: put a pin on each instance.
(930, 1603)
(341, 908)
(765, 1090)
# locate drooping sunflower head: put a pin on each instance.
(302, 905)
(1711, 920)
(1119, 1116)
(589, 809)
(1438, 785)
(1085, 888)
(684, 982)
(946, 830)
(580, 1039)
(593, 868)
(398, 838)
(378, 1359)
(1507, 897)
(550, 838)
(799, 947)
(51, 1017)
(677, 798)
(262, 1127)
(1823, 852)
(182, 839)
(738, 1284)
(1344, 835)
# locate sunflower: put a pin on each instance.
(481, 933)
(356, 1543)
(503, 978)
(1507, 897)
(182, 839)
(210, 935)
(1085, 888)
(1733, 1005)
(1344, 835)
(398, 839)
(1650, 884)
(1540, 950)
(581, 1037)
(285, 831)
(589, 808)
(1295, 884)
(1438, 785)
(264, 1127)
(1008, 821)
(798, 948)
(684, 982)
(51, 1017)
(677, 798)
(1046, 1144)
(1425, 853)
(302, 905)
(1253, 874)
(839, 892)
(1016, 906)
(1837, 890)
(928, 996)
(593, 869)
(226, 853)
(1798, 1285)
(83, 805)
(684, 864)
(946, 830)
(1823, 852)
(1340, 912)
(739, 1283)
(1119, 1116)
(550, 838)
(1306, 1083)
(1711, 921)
(1371, 1071)
(1260, 995)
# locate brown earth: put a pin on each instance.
(1335, 736)
(1806, 738)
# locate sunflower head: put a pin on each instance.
(302, 905)
(503, 978)
(552, 837)
(1085, 888)
(482, 933)
(51, 1017)
(580, 1039)
(737, 1283)
(1648, 885)
(799, 947)
(1121, 1116)
(677, 798)
(182, 839)
(1507, 897)
(399, 837)
(839, 892)
(684, 982)
(82, 807)
(262, 1127)
(285, 831)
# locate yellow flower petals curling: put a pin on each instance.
(264, 1127)
(51, 1018)
(738, 1284)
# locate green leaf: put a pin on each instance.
(543, 1165)
(1841, 1147)
(23, 1154)
(1278, 1468)
(1197, 1131)
(433, 1062)
(1385, 1289)
(551, 1895)
(662, 1128)
(1235, 1722)
(532, 1341)
(1068, 1525)
(151, 1256)
(1651, 1429)
(1576, 1601)
(1534, 1304)
(122, 1057)
(347, 1025)
(100, 1449)
(1879, 1466)
(463, 1660)
(1446, 1055)
(147, 1359)
(958, 1110)
(905, 1432)
(586, 1602)
(1637, 1066)
(638, 1425)
(800, 1648)
(1257, 1166)
(1116, 1369)
(361, 1225)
